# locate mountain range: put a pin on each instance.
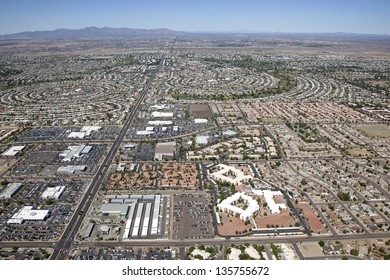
(124, 33)
(90, 33)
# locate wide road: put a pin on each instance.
(224, 241)
(64, 245)
(217, 241)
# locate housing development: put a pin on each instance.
(195, 146)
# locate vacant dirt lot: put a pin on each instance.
(281, 220)
(231, 225)
(375, 130)
(200, 111)
(311, 217)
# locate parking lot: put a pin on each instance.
(45, 160)
(60, 211)
(191, 216)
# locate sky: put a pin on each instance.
(307, 16)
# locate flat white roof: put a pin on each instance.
(73, 152)
(160, 122)
(200, 120)
(201, 140)
(70, 169)
(269, 197)
(53, 192)
(227, 205)
(162, 114)
(79, 135)
(13, 151)
(11, 189)
(144, 132)
(28, 213)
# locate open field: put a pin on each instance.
(375, 130)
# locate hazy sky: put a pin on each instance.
(358, 16)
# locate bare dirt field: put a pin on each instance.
(311, 217)
(375, 130)
(310, 249)
(231, 225)
(281, 220)
(200, 111)
(359, 152)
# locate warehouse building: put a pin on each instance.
(71, 169)
(74, 152)
(11, 190)
(13, 151)
(114, 209)
(165, 151)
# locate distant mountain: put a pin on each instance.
(90, 33)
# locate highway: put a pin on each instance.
(65, 243)
(216, 241)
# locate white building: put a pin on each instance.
(13, 151)
(269, 197)
(200, 121)
(74, 152)
(165, 150)
(28, 214)
(229, 206)
(162, 114)
(11, 190)
(71, 169)
(53, 192)
(84, 131)
(201, 140)
(144, 132)
(159, 122)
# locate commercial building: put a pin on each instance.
(157, 123)
(27, 213)
(84, 131)
(144, 132)
(165, 151)
(53, 192)
(88, 230)
(71, 169)
(200, 121)
(114, 209)
(162, 114)
(13, 151)
(74, 152)
(161, 107)
(11, 190)
(201, 140)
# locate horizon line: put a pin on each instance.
(206, 32)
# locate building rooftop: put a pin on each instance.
(28, 213)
